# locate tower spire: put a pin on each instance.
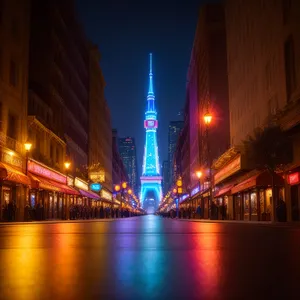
(150, 91)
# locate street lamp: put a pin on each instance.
(199, 174)
(67, 165)
(207, 120)
(27, 147)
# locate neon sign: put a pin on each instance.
(106, 195)
(81, 184)
(195, 191)
(38, 169)
(294, 178)
(228, 170)
(95, 187)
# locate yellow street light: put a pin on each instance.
(67, 165)
(174, 190)
(27, 146)
(207, 118)
(117, 188)
(129, 191)
(124, 185)
(199, 174)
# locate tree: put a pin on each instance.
(269, 149)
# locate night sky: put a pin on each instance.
(126, 32)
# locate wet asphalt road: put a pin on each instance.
(149, 258)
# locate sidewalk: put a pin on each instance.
(284, 224)
(57, 221)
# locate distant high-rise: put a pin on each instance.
(166, 176)
(175, 128)
(127, 150)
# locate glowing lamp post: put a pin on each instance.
(27, 147)
(207, 120)
(67, 166)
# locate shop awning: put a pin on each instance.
(89, 194)
(39, 182)
(223, 191)
(11, 174)
(263, 179)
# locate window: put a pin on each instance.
(12, 126)
(290, 74)
(13, 74)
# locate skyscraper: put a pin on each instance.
(166, 176)
(175, 128)
(151, 192)
(127, 150)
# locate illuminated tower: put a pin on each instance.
(151, 191)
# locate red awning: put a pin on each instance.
(263, 179)
(89, 194)
(11, 174)
(223, 191)
(39, 182)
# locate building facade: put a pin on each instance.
(263, 44)
(119, 173)
(207, 92)
(100, 132)
(175, 128)
(166, 176)
(127, 150)
(14, 37)
(59, 77)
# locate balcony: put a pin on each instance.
(10, 143)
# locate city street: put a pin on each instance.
(149, 258)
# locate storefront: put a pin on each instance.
(252, 198)
(13, 187)
(223, 200)
(294, 181)
(49, 195)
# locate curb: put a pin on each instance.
(281, 224)
(57, 222)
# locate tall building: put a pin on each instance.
(100, 135)
(256, 66)
(151, 190)
(59, 80)
(175, 128)
(207, 90)
(14, 37)
(166, 176)
(127, 150)
(263, 43)
(119, 173)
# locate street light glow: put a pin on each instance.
(67, 165)
(199, 174)
(207, 118)
(27, 146)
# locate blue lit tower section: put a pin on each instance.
(151, 191)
